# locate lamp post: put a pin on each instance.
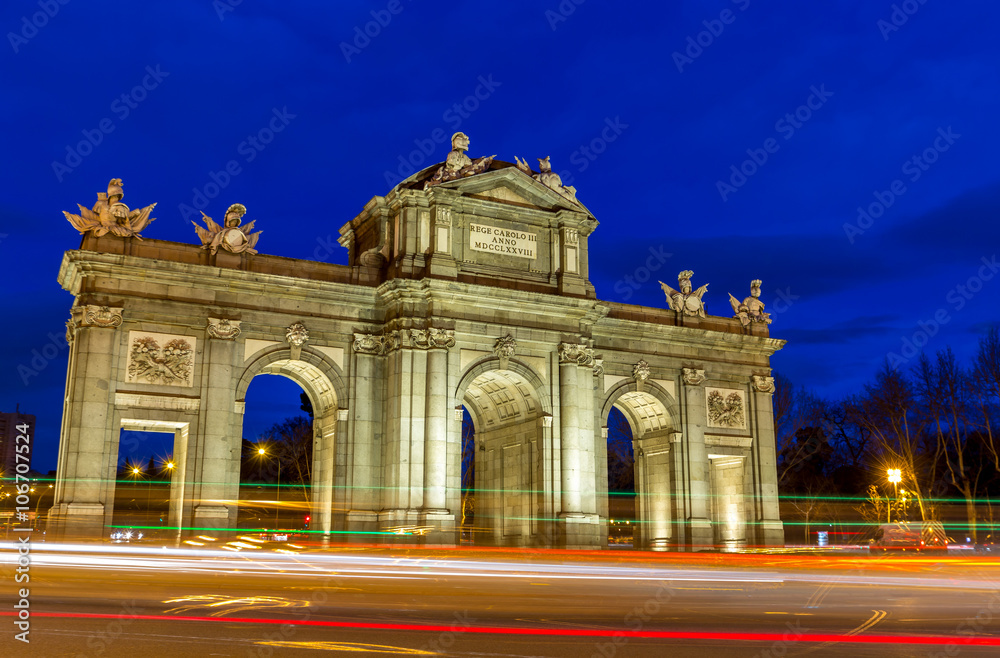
(895, 476)
(277, 491)
(169, 467)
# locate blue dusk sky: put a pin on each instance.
(845, 152)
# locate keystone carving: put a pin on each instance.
(223, 329)
(504, 349)
(297, 334)
(693, 376)
(640, 371)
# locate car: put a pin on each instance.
(988, 544)
(904, 536)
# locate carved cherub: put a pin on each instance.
(232, 237)
(685, 300)
(751, 309)
(110, 215)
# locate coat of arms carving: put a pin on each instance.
(725, 410)
(170, 363)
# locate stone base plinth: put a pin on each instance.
(702, 537)
(580, 531)
(76, 521)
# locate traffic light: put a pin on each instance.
(307, 522)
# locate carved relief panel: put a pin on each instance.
(163, 359)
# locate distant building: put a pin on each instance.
(8, 439)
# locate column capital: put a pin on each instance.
(580, 354)
(693, 376)
(223, 329)
(97, 316)
(374, 344)
(431, 338)
(763, 384)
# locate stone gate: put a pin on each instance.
(467, 286)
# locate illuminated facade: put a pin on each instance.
(467, 285)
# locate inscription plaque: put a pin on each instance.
(506, 242)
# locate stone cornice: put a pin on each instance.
(78, 265)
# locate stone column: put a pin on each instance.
(85, 478)
(699, 536)
(216, 449)
(569, 429)
(436, 424)
(360, 497)
(770, 531)
(581, 524)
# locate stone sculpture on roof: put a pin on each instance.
(231, 237)
(686, 301)
(458, 164)
(751, 309)
(547, 177)
(110, 215)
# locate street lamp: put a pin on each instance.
(277, 494)
(895, 477)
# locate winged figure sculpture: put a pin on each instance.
(110, 215)
(685, 300)
(231, 237)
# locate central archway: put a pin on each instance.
(510, 414)
(650, 411)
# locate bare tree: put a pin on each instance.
(985, 393)
(887, 409)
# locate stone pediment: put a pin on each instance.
(511, 186)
